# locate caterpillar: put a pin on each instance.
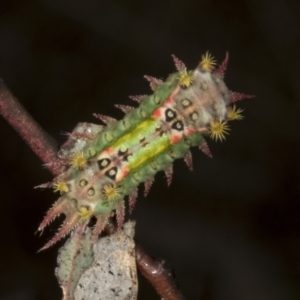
(105, 164)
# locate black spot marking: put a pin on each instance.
(104, 163)
(194, 116)
(188, 141)
(143, 142)
(154, 165)
(171, 153)
(185, 102)
(162, 132)
(170, 115)
(91, 192)
(122, 151)
(83, 182)
(178, 125)
(112, 173)
(158, 128)
(127, 157)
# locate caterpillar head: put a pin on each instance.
(204, 100)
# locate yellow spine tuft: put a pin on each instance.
(78, 160)
(84, 213)
(218, 130)
(61, 186)
(207, 62)
(111, 193)
(234, 114)
(185, 80)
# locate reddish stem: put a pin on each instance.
(155, 272)
(31, 132)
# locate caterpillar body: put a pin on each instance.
(106, 164)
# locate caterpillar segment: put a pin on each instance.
(106, 164)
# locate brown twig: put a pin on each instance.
(45, 148)
(31, 132)
(156, 273)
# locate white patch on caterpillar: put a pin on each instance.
(208, 96)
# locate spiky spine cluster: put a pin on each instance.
(107, 164)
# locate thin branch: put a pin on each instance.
(45, 148)
(156, 273)
(31, 132)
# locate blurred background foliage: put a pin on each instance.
(231, 228)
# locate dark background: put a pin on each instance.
(231, 228)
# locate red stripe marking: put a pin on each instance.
(191, 130)
(109, 150)
(125, 171)
(175, 138)
(170, 100)
(157, 113)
